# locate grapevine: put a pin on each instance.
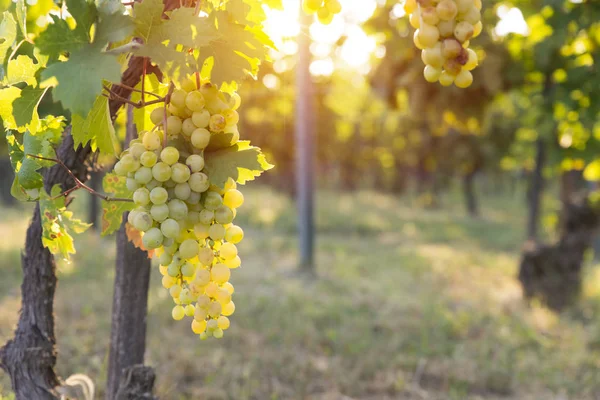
(184, 216)
(444, 29)
(325, 9)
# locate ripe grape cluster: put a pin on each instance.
(182, 215)
(444, 29)
(325, 9)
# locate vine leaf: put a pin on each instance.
(58, 223)
(21, 11)
(8, 34)
(112, 211)
(25, 109)
(135, 237)
(80, 78)
(241, 162)
(97, 127)
(7, 97)
(21, 69)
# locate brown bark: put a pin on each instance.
(137, 383)
(130, 302)
(29, 358)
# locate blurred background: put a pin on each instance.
(454, 252)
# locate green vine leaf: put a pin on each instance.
(21, 69)
(25, 109)
(21, 11)
(96, 128)
(112, 211)
(58, 223)
(8, 34)
(80, 78)
(241, 162)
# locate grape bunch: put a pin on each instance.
(325, 9)
(183, 216)
(444, 29)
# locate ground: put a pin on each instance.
(409, 303)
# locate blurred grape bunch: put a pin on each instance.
(443, 33)
(325, 9)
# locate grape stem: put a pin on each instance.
(142, 103)
(78, 183)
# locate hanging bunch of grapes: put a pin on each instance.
(325, 9)
(444, 29)
(185, 218)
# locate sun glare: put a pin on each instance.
(511, 21)
(283, 26)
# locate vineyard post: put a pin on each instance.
(305, 132)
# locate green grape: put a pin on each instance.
(199, 182)
(142, 221)
(206, 256)
(188, 84)
(194, 199)
(132, 184)
(195, 162)
(174, 126)
(234, 262)
(120, 169)
(130, 163)
(165, 258)
(178, 313)
(201, 231)
(217, 123)
(223, 322)
(200, 313)
(228, 309)
(170, 228)
(201, 118)
(220, 273)
(177, 209)
(214, 309)
(143, 175)
(212, 324)
(189, 310)
(136, 150)
(188, 248)
(200, 138)
(223, 296)
(202, 277)
(229, 287)
(228, 251)
(167, 281)
(195, 101)
(446, 79)
(178, 98)
(148, 159)
(193, 217)
(159, 212)
(223, 215)
(188, 127)
(473, 16)
(433, 56)
(183, 191)
(198, 327)
(447, 10)
(174, 270)
(152, 239)
(234, 234)
(206, 217)
(233, 198)
(231, 117)
(161, 172)
(169, 155)
(212, 201)
(141, 197)
(152, 184)
(157, 115)
(185, 296)
(432, 74)
(158, 195)
(152, 141)
(464, 79)
(188, 269)
(175, 291)
(216, 232)
(429, 15)
(180, 173)
(132, 214)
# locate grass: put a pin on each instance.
(409, 304)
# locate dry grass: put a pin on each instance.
(408, 304)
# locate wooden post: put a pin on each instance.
(305, 132)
